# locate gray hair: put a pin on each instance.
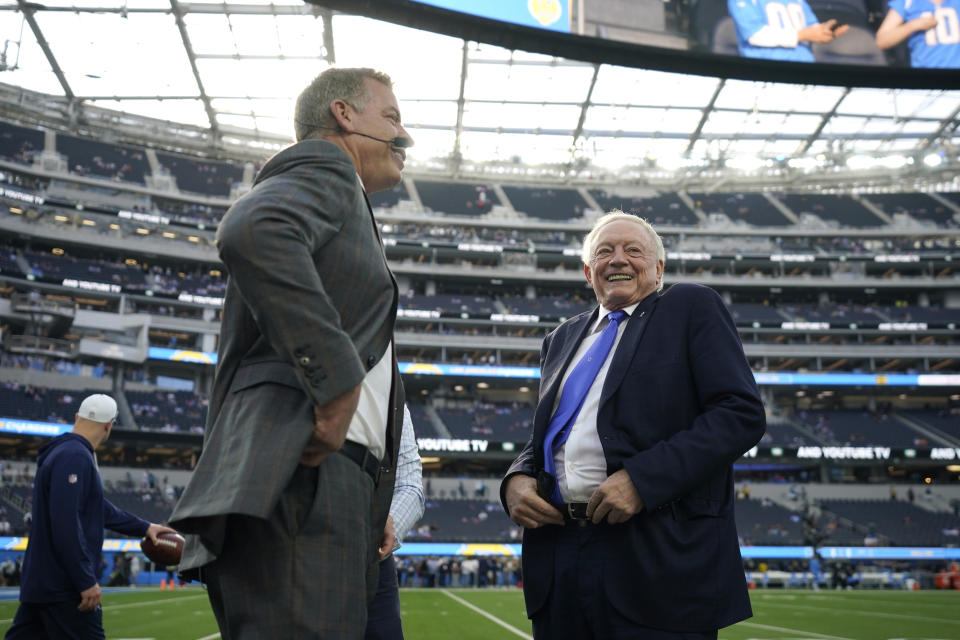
(313, 113)
(586, 253)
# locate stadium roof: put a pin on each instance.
(234, 70)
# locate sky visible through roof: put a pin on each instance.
(517, 106)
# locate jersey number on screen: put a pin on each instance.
(947, 30)
(789, 16)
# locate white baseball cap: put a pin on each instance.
(98, 408)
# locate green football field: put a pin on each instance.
(469, 614)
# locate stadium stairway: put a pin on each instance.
(935, 434)
(125, 413)
(437, 422)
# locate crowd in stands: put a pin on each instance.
(119, 163)
(168, 410)
(457, 198)
(184, 209)
(198, 281)
(500, 422)
(209, 177)
(55, 365)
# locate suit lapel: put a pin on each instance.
(628, 346)
(556, 367)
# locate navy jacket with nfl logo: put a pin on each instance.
(69, 515)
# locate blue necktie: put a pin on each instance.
(574, 392)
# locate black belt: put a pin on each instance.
(575, 511)
(364, 459)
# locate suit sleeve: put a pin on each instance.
(71, 480)
(731, 417)
(118, 520)
(525, 464)
(267, 246)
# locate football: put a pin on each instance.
(166, 552)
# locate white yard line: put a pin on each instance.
(487, 615)
(859, 612)
(770, 627)
(212, 636)
(152, 603)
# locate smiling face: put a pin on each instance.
(380, 164)
(624, 267)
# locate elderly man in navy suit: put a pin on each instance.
(625, 489)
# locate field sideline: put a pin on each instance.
(494, 614)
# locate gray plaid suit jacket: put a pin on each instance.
(309, 309)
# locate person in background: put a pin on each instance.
(780, 29)
(625, 488)
(60, 586)
(930, 27)
(406, 508)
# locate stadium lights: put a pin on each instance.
(745, 163)
(933, 160)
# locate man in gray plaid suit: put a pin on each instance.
(289, 500)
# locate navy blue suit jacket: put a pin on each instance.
(679, 406)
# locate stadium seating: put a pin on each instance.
(99, 159)
(201, 176)
(457, 198)
(390, 197)
(547, 203)
(919, 206)
(19, 144)
(901, 523)
(41, 404)
(843, 210)
(168, 410)
(497, 422)
(761, 522)
(462, 521)
(665, 208)
(752, 208)
(449, 303)
(60, 267)
(862, 428)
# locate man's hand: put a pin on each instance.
(389, 536)
(156, 529)
(330, 424)
(526, 507)
(616, 498)
(822, 32)
(89, 598)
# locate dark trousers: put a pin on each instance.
(383, 614)
(302, 573)
(56, 621)
(578, 607)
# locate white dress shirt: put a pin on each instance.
(580, 463)
(369, 424)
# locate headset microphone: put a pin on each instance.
(399, 142)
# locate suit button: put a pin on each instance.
(371, 360)
(304, 361)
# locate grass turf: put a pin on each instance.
(469, 614)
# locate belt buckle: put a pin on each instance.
(574, 516)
